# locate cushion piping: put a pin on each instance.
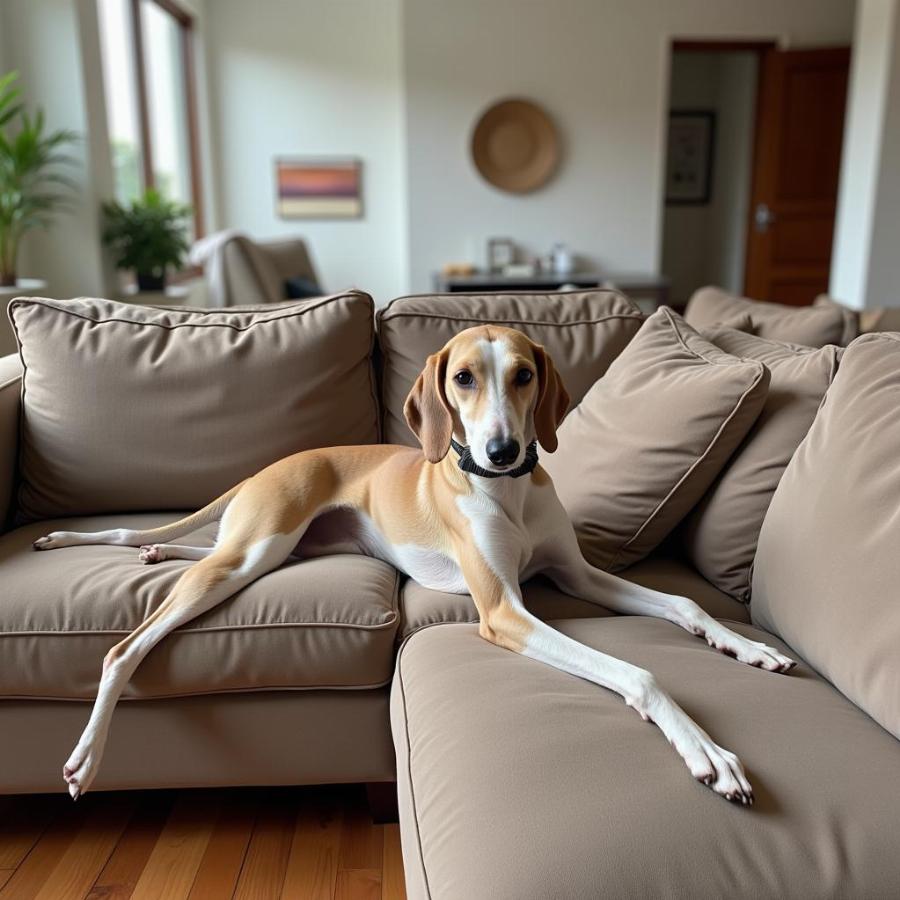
(205, 629)
(299, 688)
(385, 312)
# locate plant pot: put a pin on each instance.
(148, 282)
(8, 280)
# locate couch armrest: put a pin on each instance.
(10, 388)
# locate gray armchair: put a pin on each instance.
(242, 272)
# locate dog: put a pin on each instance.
(472, 512)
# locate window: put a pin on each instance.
(148, 75)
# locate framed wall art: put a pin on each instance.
(689, 162)
(318, 188)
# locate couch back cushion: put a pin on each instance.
(650, 437)
(826, 322)
(128, 408)
(720, 533)
(584, 331)
(827, 569)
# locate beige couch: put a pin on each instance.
(515, 780)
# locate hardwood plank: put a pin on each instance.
(5, 875)
(34, 870)
(265, 865)
(124, 867)
(361, 843)
(358, 884)
(221, 865)
(22, 821)
(393, 884)
(84, 859)
(175, 859)
(312, 865)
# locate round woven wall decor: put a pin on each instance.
(515, 146)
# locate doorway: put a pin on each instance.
(752, 168)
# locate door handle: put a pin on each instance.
(763, 217)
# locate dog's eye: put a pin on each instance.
(464, 378)
(523, 376)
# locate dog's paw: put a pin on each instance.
(150, 554)
(720, 770)
(753, 653)
(79, 772)
(50, 541)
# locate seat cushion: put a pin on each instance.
(132, 409)
(826, 322)
(827, 569)
(721, 532)
(583, 331)
(321, 623)
(650, 437)
(519, 781)
(421, 606)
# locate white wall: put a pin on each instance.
(865, 269)
(295, 77)
(600, 69)
(704, 244)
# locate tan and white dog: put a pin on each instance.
(478, 519)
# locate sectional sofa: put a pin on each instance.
(757, 477)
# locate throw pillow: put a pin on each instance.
(650, 436)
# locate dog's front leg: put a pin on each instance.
(506, 622)
(561, 560)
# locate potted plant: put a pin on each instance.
(147, 236)
(30, 179)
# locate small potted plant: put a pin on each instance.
(148, 236)
(32, 187)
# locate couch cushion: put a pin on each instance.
(518, 781)
(827, 570)
(584, 331)
(650, 436)
(812, 326)
(321, 623)
(421, 606)
(128, 408)
(720, 534)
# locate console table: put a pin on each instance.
(650, 291)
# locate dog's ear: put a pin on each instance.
(427, 410)
(552, 399)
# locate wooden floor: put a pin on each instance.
(245, 843)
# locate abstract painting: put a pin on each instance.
(318, 188)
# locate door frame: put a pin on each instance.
(724, 45)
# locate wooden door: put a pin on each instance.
(797, 158)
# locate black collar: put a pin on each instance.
(467, 464)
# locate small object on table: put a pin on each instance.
(563, 262)
(501, 252)
(457, 270)
(519, 270)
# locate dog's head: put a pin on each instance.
(494, 390)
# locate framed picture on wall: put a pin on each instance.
(689, 161)
(316, 188)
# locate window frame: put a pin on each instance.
(185, 23)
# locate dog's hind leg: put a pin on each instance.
(154, 553)
(128, 537)
(238, 561)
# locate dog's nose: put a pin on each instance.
(502, 451)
